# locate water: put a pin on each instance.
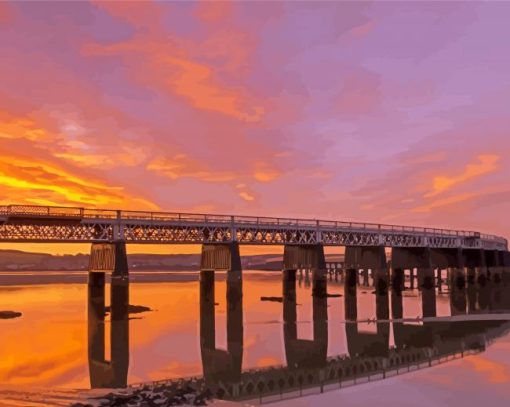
(49, 345)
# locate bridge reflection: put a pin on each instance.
(397, 345)
(417, 343)
(112, 373)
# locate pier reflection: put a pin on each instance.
(419, 343)
(218, 364)
(397, 345)
(364, 343)
(301, 353)
(104, 373)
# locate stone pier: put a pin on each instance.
(218, 364)
(108, 257)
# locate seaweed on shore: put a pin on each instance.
(161, 395)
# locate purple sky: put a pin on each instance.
(387, 112)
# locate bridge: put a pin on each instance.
(27, 223)
(425, 249)
(383, 252)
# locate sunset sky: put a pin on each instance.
(385, 112)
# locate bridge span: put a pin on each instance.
(465, 253)
(27, 223)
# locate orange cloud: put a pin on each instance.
(264, 173)
(181, 166)
(27, 180)
(172, 66)
(444, 202)
(194, 82)
(487, 164)
(246, 196)
(21, 128)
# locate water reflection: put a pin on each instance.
(416, 343)
(221, 365)
(364, 343)
(104, 373)
(301, 353)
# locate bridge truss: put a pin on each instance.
(25, 223)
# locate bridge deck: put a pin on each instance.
(71, 224)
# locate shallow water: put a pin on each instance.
(49, 345)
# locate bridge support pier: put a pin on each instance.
(494, 265)
(475, 262)
(440, 279)
(415, 257)
(367, 258)
(108, 257)
(310, 257)
(471, 275)
(505, 261)
(458, 299)
(219, 364)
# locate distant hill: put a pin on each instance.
(12, 260)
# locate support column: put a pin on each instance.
(428, 302)
(310, 257)
(471, 275)
(495, 266)
(505, 261)
(471, 298)
(397, 278)
(458, 303)
(365, 258)
(474, 259)
(426, 278)
(108, 257)
(412, 257)
(457, 278)
(350, 295)
(220, 364)
(207, 323)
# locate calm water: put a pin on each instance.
(49, 344)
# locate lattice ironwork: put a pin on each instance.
(61, 224)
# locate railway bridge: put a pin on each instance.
(468, 254)
(385, 251)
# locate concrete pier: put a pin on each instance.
(108, 258)
(218, 364)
